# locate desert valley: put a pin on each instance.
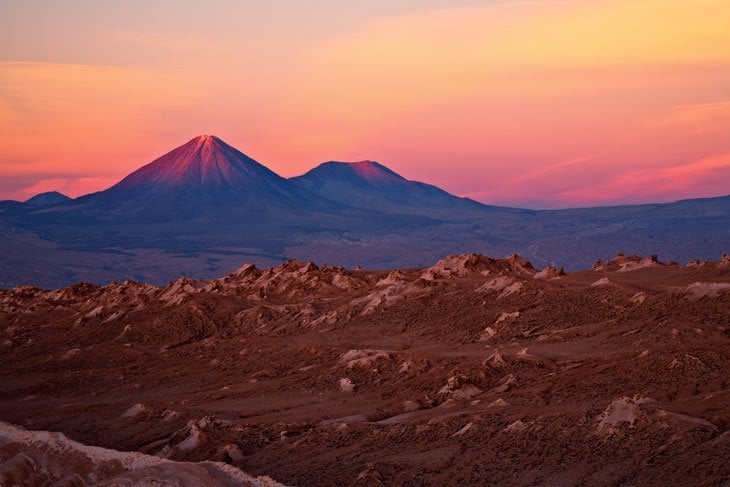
(472, 371)
(367, 243)
(126, 360)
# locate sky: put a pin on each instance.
(530, 103)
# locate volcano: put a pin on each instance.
(207, 163)
(203, 178)
(369, 184)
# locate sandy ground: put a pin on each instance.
(473, 371)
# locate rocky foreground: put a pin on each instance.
(473, 371)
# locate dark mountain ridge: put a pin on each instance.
(205, 207)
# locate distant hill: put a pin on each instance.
(48, 198)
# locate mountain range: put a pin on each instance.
(206, 207)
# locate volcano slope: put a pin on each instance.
(473, 371)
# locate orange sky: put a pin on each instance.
(549, 103)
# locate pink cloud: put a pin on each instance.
(707, 175)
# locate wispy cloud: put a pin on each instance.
(693, 116)
(702, 177)
(552, 168)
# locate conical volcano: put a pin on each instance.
(205, 163)
(372, 185)
(203, 178)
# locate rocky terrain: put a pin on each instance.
(472, 371)
(44, 458)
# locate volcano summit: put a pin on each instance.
(202, 177)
